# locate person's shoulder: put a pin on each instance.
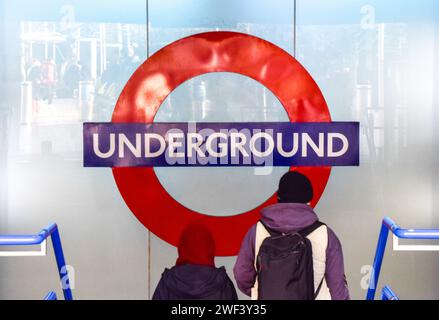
(223, 275)
(167, 271)
(330, 230)
(333, 240)
(222, 271)
(251, 232)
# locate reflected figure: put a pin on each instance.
(35, 75)
(48, 81)
(194, 275)
(71, 77)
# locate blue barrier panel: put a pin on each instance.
(29, 240)
(389, 224)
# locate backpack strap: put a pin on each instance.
(318, 288)
(311, 228)
(270, 231)
(306, 232)
(261, 233)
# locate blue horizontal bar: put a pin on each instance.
(410, 233)
(27, 240)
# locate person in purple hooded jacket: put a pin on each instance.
(293, 213)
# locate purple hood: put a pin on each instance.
(288, 217)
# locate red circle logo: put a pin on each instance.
(182, 60)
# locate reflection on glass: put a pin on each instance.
(220, 97)
(227, 97)
(73, 74)
(374, 62)
(57, 73)
(372, 70)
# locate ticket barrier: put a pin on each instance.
(398, 233)
(40, 239)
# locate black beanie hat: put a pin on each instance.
(294, 187)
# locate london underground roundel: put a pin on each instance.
(182, 60)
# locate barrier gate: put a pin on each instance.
(398, 233)
(40, 239)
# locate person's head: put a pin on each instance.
(294, 187)
(196, 246)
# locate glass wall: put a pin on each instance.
(217, 97)
(377, 62)
(65, 62)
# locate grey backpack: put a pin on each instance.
(284, 266)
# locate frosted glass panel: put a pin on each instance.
(221, 97)
(60, 65)
(207, 188)
(376, 62)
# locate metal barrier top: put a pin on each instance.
(28, 240)
(389, 224)
(410, 233)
